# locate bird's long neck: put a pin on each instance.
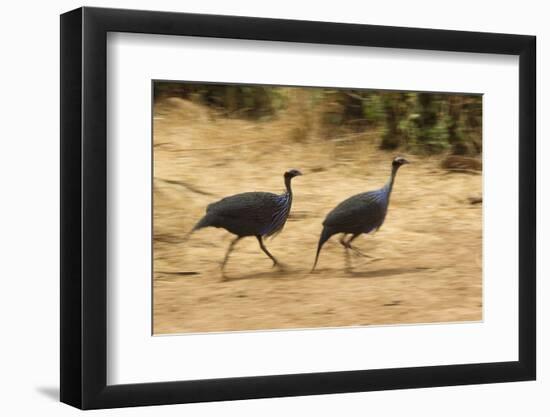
(389, 184)
(288, 192)
(288, 187)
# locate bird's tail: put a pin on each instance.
(325, 235)
(204, 222)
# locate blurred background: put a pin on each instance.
(424, 123)
(214, 140)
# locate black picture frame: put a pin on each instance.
(84, 207)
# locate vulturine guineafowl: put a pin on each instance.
(251, 214)
(362, 213)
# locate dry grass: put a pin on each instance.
(428, 266)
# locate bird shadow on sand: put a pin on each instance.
(285, 273)
(384, 272)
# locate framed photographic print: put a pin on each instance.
(258, 208)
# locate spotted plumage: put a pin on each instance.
(361, 213)
(259, 214)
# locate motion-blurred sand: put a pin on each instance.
(428, 266)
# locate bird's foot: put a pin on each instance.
(374, 259)
(222, 271)
(359, 253)
(370, 258)
(280, 266)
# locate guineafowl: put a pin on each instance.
(362, 213)
(256, 214)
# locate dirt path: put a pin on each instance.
(428, 252)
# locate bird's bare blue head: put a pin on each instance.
(292, 173)
(399, 161)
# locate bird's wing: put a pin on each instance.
(257, 207)
(361, 211)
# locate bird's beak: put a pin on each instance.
(298, 173)
(406, 162)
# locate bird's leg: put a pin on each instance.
(229, 250)
(261, 242)
(345, 244)
(358, 252)
(348, 260)
(353, 248)
(343, 241)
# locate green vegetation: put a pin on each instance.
(423, 123)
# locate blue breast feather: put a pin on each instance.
(381, 195)
(379, 198)
(279, 217)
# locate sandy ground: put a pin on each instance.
(427, 265)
